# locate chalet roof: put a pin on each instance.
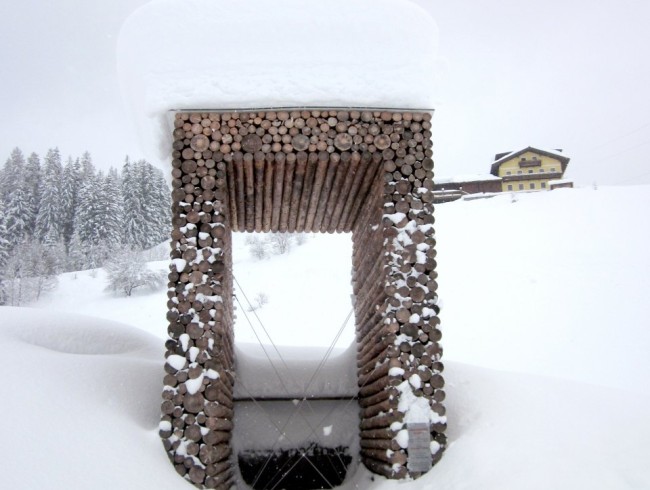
(500, 158)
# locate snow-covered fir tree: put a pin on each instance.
(87, 166)
(110, 211)
(33, 177)
(76, 259)
(88, 218)
(147, 205)
(131, 199)
(156, 204)
(49, 220)
(4, 242)
(70, 198)
(14, 197)
(4, 256)
(84, 222)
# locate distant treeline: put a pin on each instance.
(56, 218)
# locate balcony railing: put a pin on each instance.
(535, 176)
(530, 163)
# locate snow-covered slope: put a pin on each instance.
(555, 284)
(546, 366)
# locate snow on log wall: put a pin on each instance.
(197, 410)
(224, 54)
(365, 172)
(400, 381)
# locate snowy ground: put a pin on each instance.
(545, 335)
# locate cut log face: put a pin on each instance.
(366, 172)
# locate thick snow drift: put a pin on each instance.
(215, 54)
(89, 421)
(545, 337)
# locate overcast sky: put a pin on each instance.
(567, 74)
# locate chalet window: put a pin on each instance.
(509, 187)
(518, 171)
(532, 185)
(530, 171)
(521, 187)
(508, 172)
(543, 185)
(541, 170)
(552, 169)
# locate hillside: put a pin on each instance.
(544, 321)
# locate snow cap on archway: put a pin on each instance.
(217, 54)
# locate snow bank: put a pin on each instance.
(83, 292)
(81, 398)
(209, 54)
(521, 431)
(90, 421)
(554, 283)
(73, 334)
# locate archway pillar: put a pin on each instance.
(197, 408)
(394, 282)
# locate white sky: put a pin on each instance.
(566, 74)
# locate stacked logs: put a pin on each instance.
(369, 172)
(197, 396)
(289, 171)
(396, 312)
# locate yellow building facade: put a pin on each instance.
(529, 169)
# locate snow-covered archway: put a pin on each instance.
(309, 170)
(319, 165)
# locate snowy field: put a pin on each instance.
(544, 315)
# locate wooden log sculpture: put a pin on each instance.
(360, 171)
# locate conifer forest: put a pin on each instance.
(58, 217)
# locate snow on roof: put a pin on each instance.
(217, 54)
(502, 157)
(507, 156)
(457, 179)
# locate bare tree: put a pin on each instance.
(260, 300)
(128, 271)
(30, 271)
(257, 247)
(261, 246)
(281, 242)
(12, 281)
